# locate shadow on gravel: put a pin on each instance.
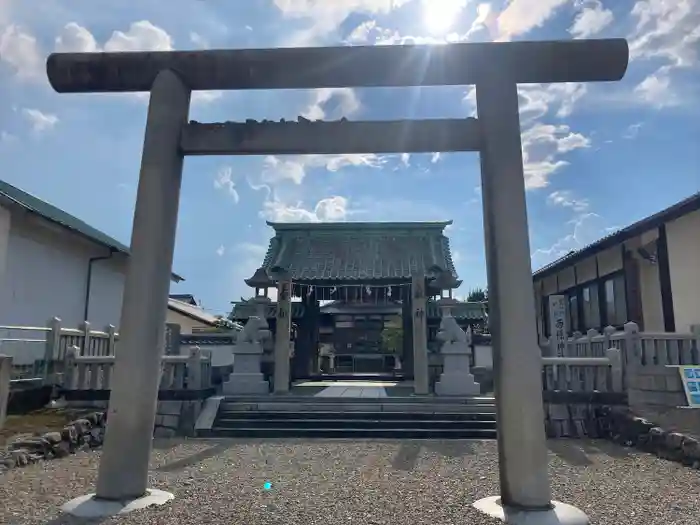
(407, 456)
(577, 452)
(205, 454)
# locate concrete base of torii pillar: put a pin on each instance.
(558, 514)
(90, 507)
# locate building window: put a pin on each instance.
(615, 303)
(591, 307)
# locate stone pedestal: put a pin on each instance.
(246, 377)
(456, 379)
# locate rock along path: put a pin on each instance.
(365, 482)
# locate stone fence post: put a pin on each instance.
(632, 352)
(194, 369)
(615, 357)
(5, 377)
(695, 330)
(51, 351)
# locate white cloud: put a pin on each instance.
(405, 159)
(332, 104)
(565, 199)
(632, 131)
(39, 120)
(666, 31)
(486, 20)
(592, 19)
(583, 230)
(293, 168)
(74, 38)
(221, 250)
(521, 16)
(669, 30)
(20, 50)
(435, 157)
(538, 100)
(656, 90)
(141, 36)
(333, 208)
(224, 181)
(325, 16)
(543, 145)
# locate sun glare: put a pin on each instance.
(440, 15)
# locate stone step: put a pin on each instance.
(355, 406)
(302, 423)
(375, 416)
(288, 398)
(351, 433)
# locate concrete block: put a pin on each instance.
(170, 421)
(169, 408)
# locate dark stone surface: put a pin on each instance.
(625, 428)
(81, 434)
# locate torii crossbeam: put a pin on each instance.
(494, 68)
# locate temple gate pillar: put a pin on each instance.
(132, 405)
(282, 331)
(522, 444)
(421, 384)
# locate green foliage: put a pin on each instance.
(392, 340)
(223, 324)
(478, 295)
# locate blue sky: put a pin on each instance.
(598, 156)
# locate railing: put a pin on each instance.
(637, 348)
(5, 375)
(91, 377)
(573, 386)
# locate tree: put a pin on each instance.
(478, 295)
(391, 340)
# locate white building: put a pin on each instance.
(184, 311)
(54, 265)
(648, 272)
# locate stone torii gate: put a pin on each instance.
(495, 69)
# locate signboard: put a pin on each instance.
(172, 339)
(690, 375)
(557, 324)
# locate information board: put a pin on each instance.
(557, 323)
(690, 375)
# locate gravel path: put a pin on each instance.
(358, 482)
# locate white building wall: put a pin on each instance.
(683, 237)
(46, 275)
(187, 324)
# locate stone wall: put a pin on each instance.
(176, 418)
(656, 393)
(173, 418)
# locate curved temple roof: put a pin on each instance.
(359, 251)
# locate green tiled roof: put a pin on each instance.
(471, 311)
(359, 251)
(60, 217)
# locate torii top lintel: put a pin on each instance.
(349, 66)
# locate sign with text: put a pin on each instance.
(690, 375)
(557, 323)
(172, 339)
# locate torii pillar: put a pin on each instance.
(495, 69)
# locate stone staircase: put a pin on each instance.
(389, 417)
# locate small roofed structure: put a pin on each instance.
(332, 253)
(363, 273)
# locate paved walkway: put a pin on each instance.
(369, 389)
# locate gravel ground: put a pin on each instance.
(367, 482)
